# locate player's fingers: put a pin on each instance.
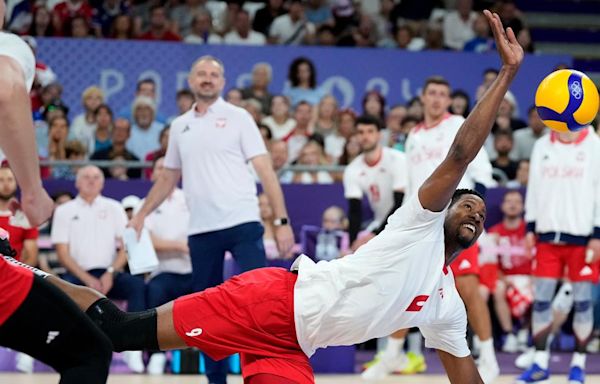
(510, 34)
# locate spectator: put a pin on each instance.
(373, 104)
(123, 28)
(96, 258)
(83, 127)
(118, 150)
(298, 137)
(334, 143)
(327, 116)
(489, 75)
(382, 22)
(163, 142)
(524, 38)
(242, 33)
(413, 10)
(266, 134)
(326, 36)
(279, 158)
(415, 108)
(185, 101)
(44, 75)
(41, 25)
(362, 35)
(280, 121)
(522, 176)
(234, 96)
(224, 18)
(303, 83)
(406, 126)
(510, 16)
(254, 108)
(345, 17)
(118, 171)
(266, 217)
(318, 13)
(104, 126)
(292, 28)
(66, 10)
(312, 154)
(525, 138)
(159, 26)
(332, 239)
(263, 18)
(79, 28)
(105, 14)
(434, 38)
(75, 151)
(503, 144)
(262, 74)
(482, 41)
(58, 131)
(351, 150)
(393, 126)
(145, 130)
(460, 103)
(458, 25)
(405, 39)
(144, 87)
(184, 15)
(508, 114)
(201, 31)
(53, 109)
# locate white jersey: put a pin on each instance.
(14, 47)
(395, 281)
(563, 192)
(378, 181)
(427, 147)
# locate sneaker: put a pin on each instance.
(156, 365)
(368, 364)
(24, 363)
(382, 366)
(511, 344)
(576, 375)
(416, 364)
(594, 345)
(488, 370)
(523, 340)
(525, 359)
(535, 374)
(134, 361)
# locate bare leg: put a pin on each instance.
(84, 297)
(401, 334)
(477, 311)
(168, 338)
(502, 309)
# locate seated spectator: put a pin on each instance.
(458, 25)
(145, 130)
(105, 14)
(405, 38)
(159, 26)
(266, 134)
(299, 135)
(144, 87)
(460, 103)
(399, 140)
(279, 157)
(58, 132)
(84, 125)
(263, 18)
(76, 151)
(312, 154)
(522, 176)
(262, 73)
(118, 149)
(508, 113)
(334, 143)
(65, 11)
(392, 130)
(332, 240)
(381, 19)
(373, 104)
(292, 28)
(123, 28)
(318, 12)
(415, 108)
(234, 96)
(280, 121)
(303, 81)
(525, 138)
(482, 42)
(266, 217)
(510, 16)
(254, 108)
(524, 38)
(362, 35)
(185, 100)
(201, 31)
(503, 144)
(327, 115)
(242, 33)
(104, 126)
(434, 38)
(80, 28)
(184, 14)
(351, 151)
(489, 75)
(41, 25)
(163, 142)
(118, 171)
(326, 36)
(50, 110)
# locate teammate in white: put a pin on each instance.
(397, 280)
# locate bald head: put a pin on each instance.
(89, 182)
(211, 60)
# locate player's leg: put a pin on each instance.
(391, 358)
(504, 317)
(49, 327)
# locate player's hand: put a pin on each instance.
(593, 248)
(37, 206)
(106, 280)
(285, 240)
(529, 244)
(507, 45)
(92, 282)
(137, 223)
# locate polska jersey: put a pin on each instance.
(14, 47)
(378, 181)
(397, 280)
(427, 147)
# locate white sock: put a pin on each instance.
(578, 360)
(541, 358)
(415, 343)
(394, 347)
(486, 350)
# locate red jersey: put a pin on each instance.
(18, 231)
(512, 259)
(15, 283)
(166, 36)
(66, 11)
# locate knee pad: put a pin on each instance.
(563, 301)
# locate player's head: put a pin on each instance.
(8, 184)
(512, 204)
(436, 97)
(369, 135)
(207, 78)
(465, 218)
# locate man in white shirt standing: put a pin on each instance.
(209, 147)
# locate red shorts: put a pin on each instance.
(551, 259)
(467, 262)
(488, 276)
(251, 314)
(15, 284)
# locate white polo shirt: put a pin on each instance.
(14, 47)
(212, 150)
(92, 230)
(170, 222)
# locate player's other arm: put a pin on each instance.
(460, 369)
(437, 190)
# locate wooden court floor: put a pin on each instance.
(19, 378)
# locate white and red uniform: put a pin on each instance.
(15, 282)
(426, 148)
(277, 319)
(563, 204)
(378, 181)
(19, 229)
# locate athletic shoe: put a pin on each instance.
(156, 365)
(594, 345)
(24, 363)
(535, 374)
(511, 344)
(416, 364)
(382, 366)
(576, 375)
(488, 370)
(525, 359)
(134, 361)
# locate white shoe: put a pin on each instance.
(511, 344)
(525, 359)
(522, 340)
(488, 370)
(594, 345)
(156, 365)
(384, 366)
(24, 363)
(134, 361)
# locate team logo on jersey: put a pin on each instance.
(221, 121)
(441, 292)
(76, 217)
(194, 332)
(51, 336)
(187, 128)
(417, 304)
(464, 265)
(585, 271)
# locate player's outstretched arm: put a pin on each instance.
(460, 369)
(437, 190)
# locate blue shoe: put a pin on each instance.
(576, 375)
(534, 374)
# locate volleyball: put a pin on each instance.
(567, 100)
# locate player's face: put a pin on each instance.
(368, 136)
(8, 184)
(512, 205)
(206, 80)
(436, 100)
(465, 220)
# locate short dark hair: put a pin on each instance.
(436, 80)
(410, 119)
(104, 107)
(490, 70)
(184, 92)
(266, 128)
(369, 120)
(145, 81)
(464, 191)
(503, 133)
